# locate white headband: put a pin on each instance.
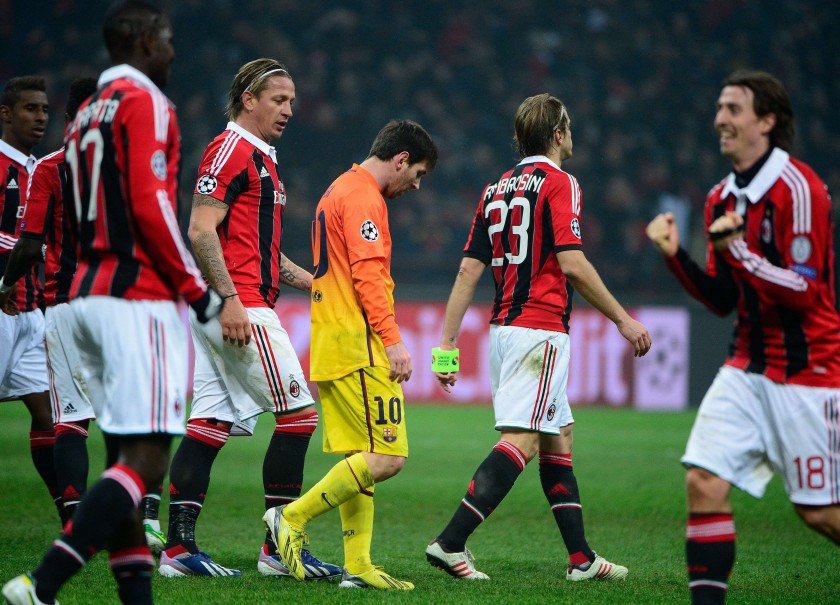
(265, 75)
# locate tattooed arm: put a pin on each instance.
(207, 214)
(294, 276)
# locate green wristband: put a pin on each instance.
(444, 361)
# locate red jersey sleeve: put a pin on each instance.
(152, 177)
(802, 233)
(222, 169)
(564, 201)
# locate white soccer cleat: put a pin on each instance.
(155, 539)
(21, 591)
(457, 564)
(599, 569)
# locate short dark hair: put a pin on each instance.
(405, 135)
(536, 121)
(125, 22)
(80, 89)
(769, 96)
(253, 76)
(15, 86)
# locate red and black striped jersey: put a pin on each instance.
(46, 218)
(522, 221)
(13, 179)
(779, 277)
(240, 170)
(122, 151)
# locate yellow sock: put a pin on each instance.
(345, 480)
(357, 527)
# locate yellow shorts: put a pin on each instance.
(364, 412)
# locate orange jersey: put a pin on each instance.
(352, 292)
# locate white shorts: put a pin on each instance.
(68, 390)
(236, 384)
(529, 370)
(747, 426)
(134, 353)
(23, 360)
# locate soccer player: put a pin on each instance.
(122, 151)
(24, 112)
(358, 357)
(775, 403)
(528, 229)
(45, 223)
(245, 365)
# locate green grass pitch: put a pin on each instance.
(627, 464)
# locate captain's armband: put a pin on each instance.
(444, 361)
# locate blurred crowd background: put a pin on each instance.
(640, 78)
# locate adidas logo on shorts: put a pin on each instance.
(69, 409)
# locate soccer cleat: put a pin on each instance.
(272, 565)
(457, 564)
(187, 564)
(154, 537)
(289, 540)
(374, 578)
(21, 591)
(599, 569)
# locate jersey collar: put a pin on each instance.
(257, 142)
(533, 159)
(761, 183)
(27, 161)
(130, 73)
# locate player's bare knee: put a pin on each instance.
(40, 410)
(384, 467)
(822, 519)
(527, 442)
(706, 492)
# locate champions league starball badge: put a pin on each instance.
(800, 249)
(159, 165)
(206, 184)
(369, 231)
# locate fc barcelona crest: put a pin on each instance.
(389, 434)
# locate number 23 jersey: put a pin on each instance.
(523, 220)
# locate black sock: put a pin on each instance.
(189, 478)
(491, 482)
(71, 464)
(284, 459)
(561, 490)
(132, 569)
(151, 504)
(710, 556)
(106, 507)
(42, 450)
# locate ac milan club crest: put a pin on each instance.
(389, 434)
(294, 388)
(552, 409)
